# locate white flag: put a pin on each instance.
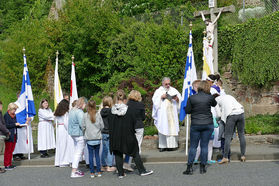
(207, 59)
(73, 91)
(58, 95)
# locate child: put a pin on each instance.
(92, 125)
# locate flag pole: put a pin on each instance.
(187, 116)
(26, 103)
(56, 66)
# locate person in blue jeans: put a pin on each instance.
(199, 106)
(107, 157)
(92, 125)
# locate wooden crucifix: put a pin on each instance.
(211, 26)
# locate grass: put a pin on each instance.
(263, 124)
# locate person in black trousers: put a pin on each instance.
(122, 121)
(199, 106)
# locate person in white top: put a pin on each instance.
(166, 105)
(63, 155)
(232, 114)
(46, 138)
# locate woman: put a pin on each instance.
(11, 124)
(75, 130)
(107, 157)
(46, 138)
(122, 121)
(62, 155)
(199, 106)
(134, 101)
(92, 125)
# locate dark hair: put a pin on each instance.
(212, 76)
(62, 108)
(204, 86)
(217, 77)
(215, 95)
(41, 104)
(91, 109)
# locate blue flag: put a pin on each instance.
(189, 76)
(25, 101)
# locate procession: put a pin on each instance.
(90, 126)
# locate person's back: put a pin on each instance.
(105, 113)
(139, 110)
(75, 120)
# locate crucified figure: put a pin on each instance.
(210, 27)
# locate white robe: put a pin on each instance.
(64, 147)
(46, 138)
(22, 142)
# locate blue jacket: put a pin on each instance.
(75, 122)
(11, 126)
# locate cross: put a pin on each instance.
(212, 11)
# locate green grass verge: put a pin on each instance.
(263, 124)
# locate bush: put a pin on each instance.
(264, 124)
(150, 130)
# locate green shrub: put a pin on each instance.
(265, 124)
(150, 130)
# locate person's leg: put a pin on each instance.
(229, 130)
(139, 163)
(205, 136)
(194, 141)
(139, 136)
(240, 124)
(8, 154)
(97, 157)
(198, 152)
(105, 152)
(79, 146)
(127, 159)
(210, 150)
(91, 161)
(119, 162)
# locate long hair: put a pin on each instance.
(41, 104)
(91, 109)
(120, 96)
(62, 108)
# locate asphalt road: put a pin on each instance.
(236, 173)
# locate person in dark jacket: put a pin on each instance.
(107, 157)
(199, 106)
(134, 101)
(122, 121)
(4, 133)
(11, 124)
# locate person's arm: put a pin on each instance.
(203, 18)
(219, 14)
(80, 116)
(9, 123)
(143, 112)
(213, 102)
(46, 115)
(83, 123)
(3, 127)
(101, 122)
(188, 108)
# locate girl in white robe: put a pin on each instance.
(46, 138)
(62, 153)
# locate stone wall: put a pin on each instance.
(255, 100)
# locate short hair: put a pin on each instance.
(12, 106)
(196, 82)
(41, 104)
(204, 86)
(120, 96)
(62, 108)
(80, 102)
(107, 101)
(165, 78)
(135, 95)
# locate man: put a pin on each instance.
(166, 103)
(4, 133)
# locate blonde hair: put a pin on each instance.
(12, 106)
(107, 101)
(120, 96)
(91, 109)
(80, 102)
(204, 86)
(135, 95)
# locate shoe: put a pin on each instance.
(127, 167)
(63, 165)
(242, 158)
(80, 172)
(196, 162)
(11, 167)
(98, 174)
(76, 175)
(146, 173)
(189, 170)
(92, 175)
(2, 170)
(17, 158)
(44, 156)
(111, 169)
(202, 169)
(121, 176)
(211, 161)
(23, 158)
(224, 160)
(104, 168)
(161, 149)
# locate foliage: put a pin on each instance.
(252, 49)
(150, 131)
(265, 124)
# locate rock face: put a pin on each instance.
(255, 100)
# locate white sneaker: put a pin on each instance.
(128, 167)
(76, 175)
(146, 173)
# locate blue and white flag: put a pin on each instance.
(189, 76)
(25, 101)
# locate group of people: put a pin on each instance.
(116, 128)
